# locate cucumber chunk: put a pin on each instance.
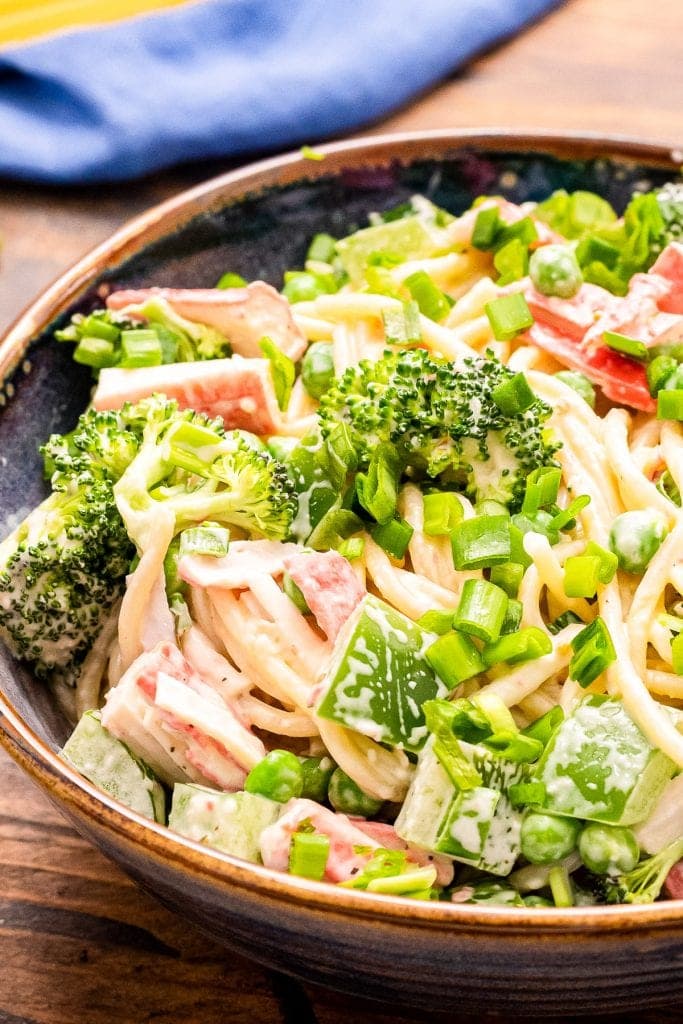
(599, 766)
(231, 822)
(109, 764)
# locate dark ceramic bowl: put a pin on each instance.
(257, 222)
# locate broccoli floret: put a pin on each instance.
(102, 337)
(644, 883)
(443, 421)
(189, 467)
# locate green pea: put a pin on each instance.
(546, 838)
(282, 447)
(279, 776)
(346, 796)
(317, 368)
(635, 537)
(302, 286)
(317, 774)
(580, 383)
(554, 270)
(608, 849)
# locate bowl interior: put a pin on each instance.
(258, 235)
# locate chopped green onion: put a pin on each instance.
(561, 886)
(480, 542)
(295, 595)
(514, 648)
(666, 485)
(437, 621)
(581, 575)
(513, 616)
(454, 658)
(94, 326)
(405, 884)
(193, 447)
(629, 346)
(308, 855)
(513, 396)
(440, 716)
(441, 513)
(205, 540)
(304, 285)
(481, 610)
(402, 326)
(489, 507)
(508, 315)
(609, 562)
(317, 368)
(508, 576)
(377, 489)
(511, 261)
(593, 653)
(468, 722)
(565, 516)
(431, 300)
(495, 711)
(659, 371)
(352, 548)
(544, 727)
(282, 369)
(322, 248)
(486, 227)
(393, 537)
(518, 554)
(536, 522)
(514, 746)
(670, 405)
(231, 280)
(140, 347)
(542, 486)
(677, 654)
(563, 620)
(95, 352)
(336, 526)
(523, 794)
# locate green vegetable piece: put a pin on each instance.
(561, 886)
(580, 383)
(573, 214)
(631, 347)
(511, 261)
(379, 677)
(508, 576)
(231, 280)
(95, 352)
(352, 548)
(294, 594)
(437, 621)
(562, 621)
(524, 794)
(486, 227)
(514, 746)
(304, 285)
(508, 316)
(481, 541)
(608, 850)
(495, 893)
(347, 797)
(593, 653)
(513, 617)
(402, 325)
(659, 373)
(677, 654)
(317, 368)
(207, 539)
(554, 270)
(635, 537)
(442, 511)
(322, 248)
(94, 326)
(408, 238)
(377, 489)
(515, 648)
(140, 347)
(278, 776)
(564, 519)
(670, 404)
(541, 489)
(430, 299)
(393, 537)
(599, 766)
(441, 717)
(317, 772)
(454, 658)
(514, 396)
(308, 855)
(282, 369)
(546, 837)
(644, 882)
(544, 727)
(477, 826)
(608, 561)
(581, 575)
(231, 822)
(481, 611)
(106, 762)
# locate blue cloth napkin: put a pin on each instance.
(220, 78)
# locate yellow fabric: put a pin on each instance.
(21, 20)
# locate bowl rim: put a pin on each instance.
(85, 800)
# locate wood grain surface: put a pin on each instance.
(79, 944)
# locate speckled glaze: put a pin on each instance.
(257, 222)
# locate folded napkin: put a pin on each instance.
(216, 78)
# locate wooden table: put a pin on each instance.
(79, 944)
